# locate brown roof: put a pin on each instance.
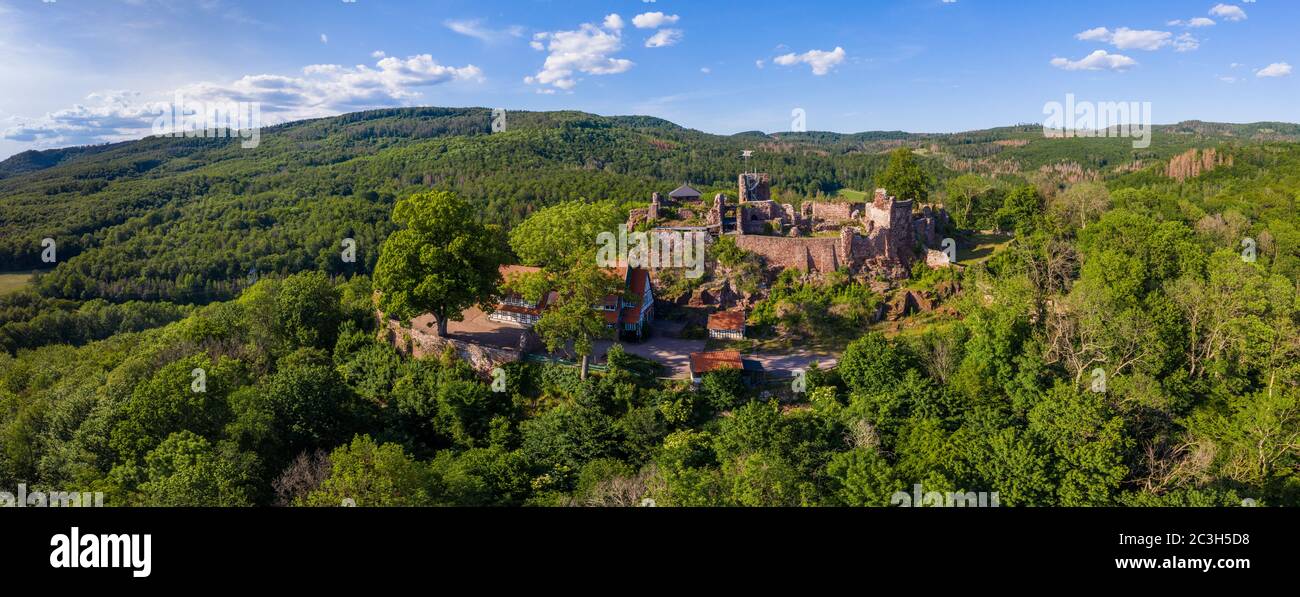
(632, 315)
(704, 362)
(636, 281)
(727, 320)
(510, 271)
(640, 279)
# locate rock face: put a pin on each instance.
(700, 298)
(936, 259)
(721, 295)
(482, 359)
(908, 302)
(947, 288)
(1194, 162)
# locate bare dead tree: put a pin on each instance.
(620, 491)
(306, 473)
(862, 434)
(1083, 333)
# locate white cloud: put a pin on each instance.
(324, 38)
(1277, 69)
(107, 116)
(1186, 43)
(331, 88)
(1193, 22)
(1128, 39)
(319, 90)
(588, 49)
(654, 20)
(1097, 34)
(1148, 39)
(1229, 12)
(474, 28)
(706, 70)
(1099, 60)
(760, 63)
(663, 38)
(821, 61)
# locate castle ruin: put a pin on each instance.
(883, 236)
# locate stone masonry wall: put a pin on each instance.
(835, 213)
(803, 254)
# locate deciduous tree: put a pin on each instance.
(442, 261)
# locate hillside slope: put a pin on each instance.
(194, 220)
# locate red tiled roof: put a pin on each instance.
(632, 315)
(704, 362)
(727, 320)
(636, 280)
(510, 271)
(640, 279)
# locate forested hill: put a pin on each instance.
(193, 220)
(1125, 329)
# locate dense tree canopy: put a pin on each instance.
(555, 236)
(204, 341)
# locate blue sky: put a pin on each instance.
(82, 71)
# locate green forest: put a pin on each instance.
(200, 339)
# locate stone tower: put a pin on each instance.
(755, 187)
(716, 212)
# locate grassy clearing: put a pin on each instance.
(850, 196)
(14, 281)
(977, 247)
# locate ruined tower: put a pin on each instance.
(716, 212)
(755, 187)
